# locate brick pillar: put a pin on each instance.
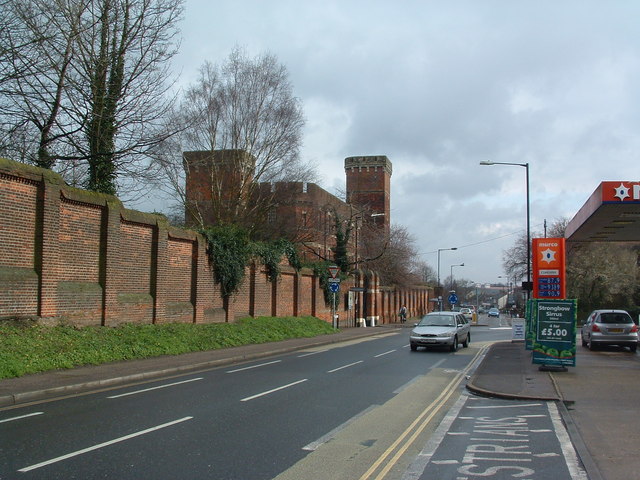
(252, 289)
(274, 299)
(297, 279)
(159, 275)
(314, 291)
(110, 265)
(198, 269)
(47, 247)
(229, 311)
(359, 308)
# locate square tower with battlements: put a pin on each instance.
(369, 188)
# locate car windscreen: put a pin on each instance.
(615, 318)
(437, 321)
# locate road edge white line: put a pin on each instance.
(154, 388)
(330, 435)
(570, 454)
(253, 366)
(312, 353)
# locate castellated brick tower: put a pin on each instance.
(369, 188)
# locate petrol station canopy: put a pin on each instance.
(611, 214)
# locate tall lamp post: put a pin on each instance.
(439, 296)
(362, 217)
(456, 265)
(526, 166)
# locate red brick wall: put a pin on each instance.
(263, 293)
(18, 201)
(81, 257)
(135, 300)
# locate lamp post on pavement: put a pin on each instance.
(440, 295)
(526, 166)
(457, 265)
(362, 217)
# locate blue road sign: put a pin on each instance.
(453, 299)
(335, 287)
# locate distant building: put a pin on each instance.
(220, 188)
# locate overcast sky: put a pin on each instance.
(438, 86)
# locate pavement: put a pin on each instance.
(598, 410)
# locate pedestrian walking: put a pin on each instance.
(403, 314)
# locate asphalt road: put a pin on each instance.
(272, 418)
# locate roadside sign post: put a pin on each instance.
(453, 298)
(334, 286)
(333, 270)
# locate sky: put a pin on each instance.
(438, 87)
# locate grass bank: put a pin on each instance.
(31, 348)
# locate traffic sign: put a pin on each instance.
(335, 287)
(333, 280)
(333, 271)
(453, 299)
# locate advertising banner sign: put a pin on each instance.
(555, 328)
(517, 333)
(530, 330)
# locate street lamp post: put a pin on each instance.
(457, 265)
(526, 166)
(439, 296)
(361, 217)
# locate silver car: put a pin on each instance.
(610, 327)
(441, 328)
(467, 312)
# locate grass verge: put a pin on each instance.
(26, 349)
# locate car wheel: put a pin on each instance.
(633, 348)
(584, 342)
(454, 345)
(465, 344)
(414, 347)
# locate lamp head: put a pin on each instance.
(486, 162)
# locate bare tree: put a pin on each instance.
(94, 85)
(246, 109)
(425, 272)
(38, 48)
(514, 259)
(396, 264)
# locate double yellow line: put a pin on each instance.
(406, 439)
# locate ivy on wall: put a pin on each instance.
(230, 250)
(229, 253)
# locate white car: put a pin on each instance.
(467, 312)
(441, 328)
